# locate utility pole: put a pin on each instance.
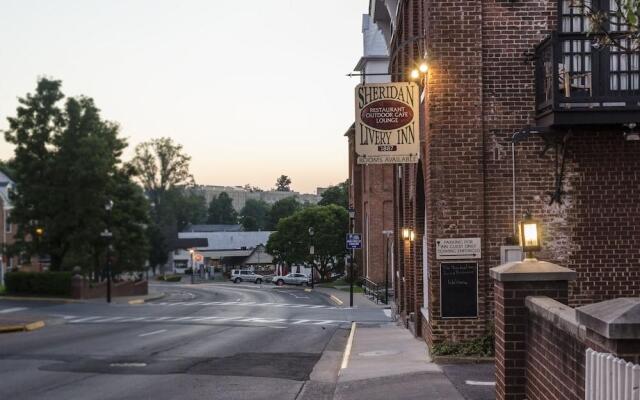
(108, 235)
(311, 252)
(387, 234)
(352, 216)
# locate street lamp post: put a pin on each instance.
(108, 235)
(193, 269)
(311, 252)
(387, 234)
(352, 216)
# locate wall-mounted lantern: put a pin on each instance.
(420, 70)
(529, 235)
(408, 234)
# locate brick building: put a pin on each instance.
(371, 186)
(7, 230)
(498, 71)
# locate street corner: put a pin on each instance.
(147, 298)
(10, 326)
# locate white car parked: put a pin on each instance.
(238, 276)
(292, 279)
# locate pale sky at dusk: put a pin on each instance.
(252, 89)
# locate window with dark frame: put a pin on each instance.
(620, 63)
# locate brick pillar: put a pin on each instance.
(513, 283)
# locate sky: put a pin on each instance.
(252, 89)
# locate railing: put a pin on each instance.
(376, 292)
(610, 378)
(571, 74)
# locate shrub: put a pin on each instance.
(480, 347)
(170, 278)
(39, 283)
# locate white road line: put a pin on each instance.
(210, 319)
(480, 383)
(152, 333)
(324, 322)
(133, 319)
(84, 319)
(110, 319)
(10, 310)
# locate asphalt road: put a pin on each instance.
(215, 341)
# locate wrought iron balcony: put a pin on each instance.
(579, 84)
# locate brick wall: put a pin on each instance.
(555, 361)
(479, 91)
(510, 323)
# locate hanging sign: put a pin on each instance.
(458, 249)
(387, 119)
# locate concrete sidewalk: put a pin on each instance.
(387, 362)
(359, 299)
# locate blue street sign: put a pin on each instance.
(354, 241)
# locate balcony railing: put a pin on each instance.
(579, 84)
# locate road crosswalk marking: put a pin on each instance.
(10, 310)
(200, 319)
(243, 303)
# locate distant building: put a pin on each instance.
(240, 195)
(213, 228)
(224, 249)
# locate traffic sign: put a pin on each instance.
(354, 241)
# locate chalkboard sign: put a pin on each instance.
(459, 290)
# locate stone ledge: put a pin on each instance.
(613, 319)
(531, 270)
(559, 315)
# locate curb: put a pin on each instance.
(149, 298)
(31, 326)
(347, 350)
(336, 300)
(58, 299)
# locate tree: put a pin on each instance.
(66, 167)
(283, 184)
(221, 210)
(292, 241)
(254, 216)
(338, 195)
(252, 189)
(282, 209)
(618, 25)
(162, 168)
(161, 165)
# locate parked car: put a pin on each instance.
(291, 279)
(238, 276)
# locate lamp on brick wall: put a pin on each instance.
(420, 70)
(408, 234)
(529, 235)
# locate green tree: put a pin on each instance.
(282, 209)
(161, 165)
(162, 168)
(254, 216)
(66, 167)
(292, 241)
(221, 210)
(283, 184)
(338, 195)
(624, 15)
